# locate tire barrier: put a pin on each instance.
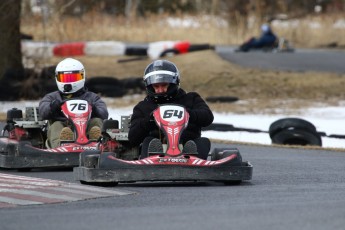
(152, 50)
(294, 131)
(35, 85)
(290, 123)
(106, 86)
(296, 137)
(113, 87)
(96, 48)
(220, 127)
(221, 99)
(18, 84)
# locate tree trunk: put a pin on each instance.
(10, 58)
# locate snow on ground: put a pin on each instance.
(326, 119)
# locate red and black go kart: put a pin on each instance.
(169, 164)
(23, 143)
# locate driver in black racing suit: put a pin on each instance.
(162, 81)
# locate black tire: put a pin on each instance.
(110, 124)
(46, 80)
(91, 161)
(219, 127)
(216, 99)
(290, 123)
(24, 169)
(103, 80)
(136, 51)
(106, 86)
(109, 90)
(215, 153)
(232, 182)
(130, 154)
(169, 52)
(133, 83)
(83, 155)
(220, 153)
(48, 73)
(104, 162)
(337, 136)
(100, 184)
(297, 137)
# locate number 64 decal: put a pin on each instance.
(172, 113)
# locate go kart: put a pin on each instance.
(168, 162)
(23, 142)
(281, 45)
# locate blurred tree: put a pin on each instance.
(10, 58)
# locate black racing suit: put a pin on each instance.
(143, 126)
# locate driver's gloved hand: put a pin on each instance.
(55, 106)
(94, 110)
(192, 115)
(148, 122)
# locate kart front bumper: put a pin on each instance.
(20, 155)
(123, 171)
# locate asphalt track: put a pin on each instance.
(292, 188)
(301, 60)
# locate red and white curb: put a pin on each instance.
(20, 190)
(152, 50)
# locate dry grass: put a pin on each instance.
(301, 32)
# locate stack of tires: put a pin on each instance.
(294, 131)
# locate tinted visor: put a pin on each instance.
(67, 77)
(160, 77)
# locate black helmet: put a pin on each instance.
(162, 71)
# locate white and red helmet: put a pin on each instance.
(70, 76)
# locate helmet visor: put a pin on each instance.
(160, 77)
(67, 77)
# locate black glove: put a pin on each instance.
(148, 122)
(55, 106)
(94, 111)
(192, 115)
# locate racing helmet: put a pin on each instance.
(162, 71)
(70, 76)
(265, 28)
